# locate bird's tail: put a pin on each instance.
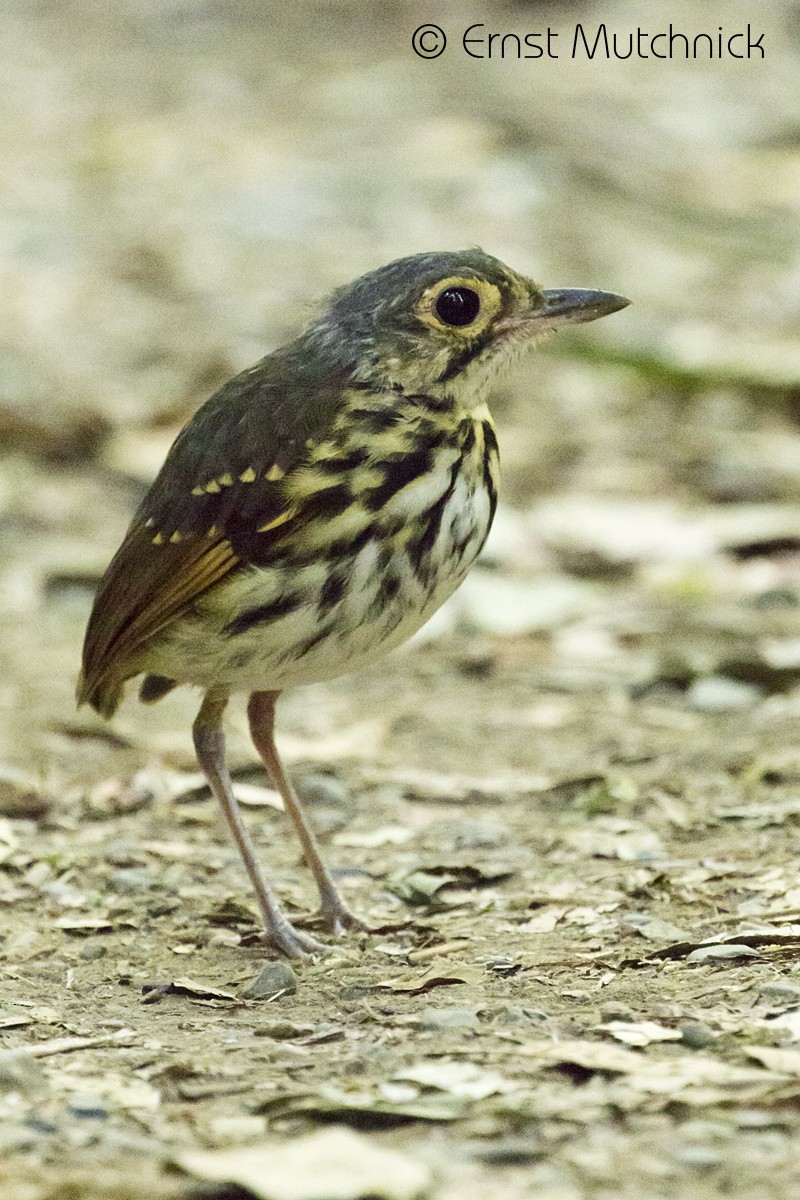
(104, 696)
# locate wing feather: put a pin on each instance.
(223, 480)
(144, 588)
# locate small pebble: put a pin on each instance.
(131, 879)
(328, 800)
(477, 662)
(466, 834)
(696, 1035)
(273, 978)
(697, 1158)
(718, 693)
(21, 797)
(20, 1073)
(323, 790)
(510, 1150)
(283, 1031)
(781, 991)
(88, 1107)
(93, 950)
(448, 1018)
(617, 1012)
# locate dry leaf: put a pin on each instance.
(776, 1058)
(85, 925)
(372, 839)
(201, 991)
(462, 1079)
(334, 1164)
(68, 1044)
(730, 950)
(439, 973)
(640, 1033)
(660, 1076)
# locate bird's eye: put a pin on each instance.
(458, 306)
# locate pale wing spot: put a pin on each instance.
(225, 480)
(247, 476)
(307, 482)
(158, 540)
(198, 491)
(322, 451)
(176, 537)
(213, 486)
(275, 473)
(213, 532)
(149, 523)
(281, 519)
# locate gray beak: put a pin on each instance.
(563, 306)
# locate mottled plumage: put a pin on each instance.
(319, 508)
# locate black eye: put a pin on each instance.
(458, 306)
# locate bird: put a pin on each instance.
(315, 512)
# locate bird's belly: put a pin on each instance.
(388, 588)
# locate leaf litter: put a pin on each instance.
(586, 774)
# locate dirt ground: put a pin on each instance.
(583, 979)
(569, 812)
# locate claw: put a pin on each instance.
(336, 917)
(292, 942)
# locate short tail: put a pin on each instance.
(104, 697)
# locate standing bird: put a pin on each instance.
(316, 511)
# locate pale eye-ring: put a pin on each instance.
(457, 306)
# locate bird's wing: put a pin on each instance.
(223, 482)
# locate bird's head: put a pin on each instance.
(445, 323)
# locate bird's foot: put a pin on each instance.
(336, 916)
(292, 942)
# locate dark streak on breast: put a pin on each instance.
(419, 550)
(398, 473)
(264, 614)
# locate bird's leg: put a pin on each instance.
(209, 744)
(261, 711)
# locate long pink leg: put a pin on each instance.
(261, 711)
(209, 743)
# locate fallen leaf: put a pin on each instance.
(776, 1058)
(84, 925)
(371, 839)
(463, 1079)
(201, 991)
(592, 1056)
(747, 943)
(388, 1103)
(68, 1044)
(438, 974)
(639, 1033)
(334, 1164)
(726, 951)
(684, 1075)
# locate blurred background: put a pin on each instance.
(183, 180)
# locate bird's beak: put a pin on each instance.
(563, 306)
(559, 307)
